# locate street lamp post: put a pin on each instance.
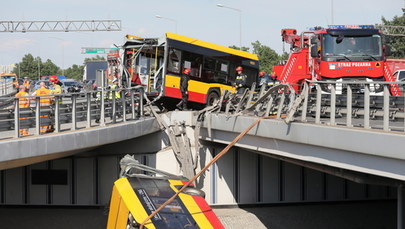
(240, 22)
(170, 19)
(331, 11)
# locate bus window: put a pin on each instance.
(193, 62)
(174, 61)
(221, 75)
(209, 69)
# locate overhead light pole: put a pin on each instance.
(240, 21)
(170, 19)
(331, 10)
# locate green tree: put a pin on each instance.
(397, 43)
(49, 68)
(96, 58)
(34, 68)
(246, 49)
(75, 72)
(267, 56)
(28, 67)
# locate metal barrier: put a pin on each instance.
(6, 87)
(71, 111)
(349, 104)
(367, 105)
(353, 104)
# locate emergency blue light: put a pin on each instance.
(351, 26)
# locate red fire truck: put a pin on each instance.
(336, 53)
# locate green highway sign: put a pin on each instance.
(96, 50)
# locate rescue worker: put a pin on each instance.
(273, 80)
(27, 83)
(16, 84)
(116, 91)
(182, 105)
(43, 102)
(264, 79)
(56, 89)
(56, 85)
(115, 88)
(240, 80)
(23, 103)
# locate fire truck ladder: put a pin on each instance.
(392, 30)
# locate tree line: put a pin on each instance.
(34, 68)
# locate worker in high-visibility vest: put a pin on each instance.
(27, 83)
(56, 85)
(16, 84)
(23, 103)
(44, 101)
(115, 88)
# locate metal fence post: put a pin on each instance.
(333, 105)
(367, 106)
(88, 97)
(16, 118)
(386, 108)
(280, 106)
(132, 91)
(349, 106)
(74, 108)
(37, 116)
(114, 107)
(141, 111)
(318, 104)
(58, 99)
(305, 103)
(124, 107)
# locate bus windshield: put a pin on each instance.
(352, 46)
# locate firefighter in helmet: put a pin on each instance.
(56, 85)
(273, 80)
(240, 80)
(264, 79)
(182, 105)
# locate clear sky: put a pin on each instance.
(262, 21)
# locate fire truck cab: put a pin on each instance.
(336, 53)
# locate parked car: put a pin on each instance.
(400, 75)
(71, 86)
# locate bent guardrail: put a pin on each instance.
(367, 105)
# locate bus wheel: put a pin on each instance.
(212, 98)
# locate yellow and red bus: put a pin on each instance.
(134, 198)
(157, 63)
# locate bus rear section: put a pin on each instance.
(157, 64)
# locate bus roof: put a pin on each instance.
(8, 75)
(211, 46)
